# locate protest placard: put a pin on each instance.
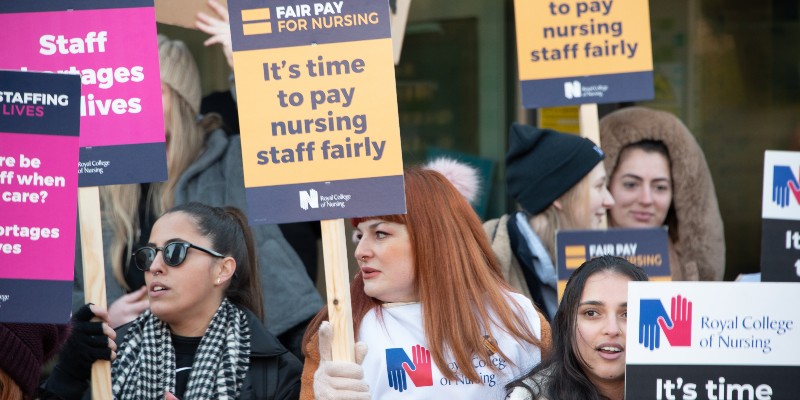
(712, 341)
(583, 52)
(39, 130)
(647, 248)
(113, 46)
(780, 217)
(318, 109)
(320, 129)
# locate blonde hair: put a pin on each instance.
(574, 207)
(187, 137)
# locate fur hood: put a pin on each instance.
(701, 245)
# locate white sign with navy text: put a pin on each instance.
(780, 213)
(712, 340)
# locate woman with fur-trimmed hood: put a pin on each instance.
(659, 176)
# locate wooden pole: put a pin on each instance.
(589, 122)
(94, 277)
(340, 312)
(590, 128)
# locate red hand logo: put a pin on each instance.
(680, 334)
(421, 375)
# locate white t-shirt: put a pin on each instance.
(401, 340)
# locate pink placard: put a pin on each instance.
(38, 197)
(116, 53)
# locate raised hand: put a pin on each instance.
(421, 374)
(126, 308)
(782, 180)
(649, 331)
(218, 27)
(395, 358)
(679, 331)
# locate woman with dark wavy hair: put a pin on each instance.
(588, 357)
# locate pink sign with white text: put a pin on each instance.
(121, 93)
(39, 134)
(38, 191)
(115, 51)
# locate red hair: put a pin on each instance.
(457, 277)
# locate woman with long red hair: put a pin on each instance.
(432, 314)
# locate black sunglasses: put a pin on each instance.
(173, 254)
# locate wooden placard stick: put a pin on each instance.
(94, 277)
(340, 312)
(590, 128)
(589, 122)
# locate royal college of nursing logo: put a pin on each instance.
(677, 326)
(398, 365)
(785, 186)
(309, 198)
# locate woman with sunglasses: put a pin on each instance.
(203, 336)
(205, 165)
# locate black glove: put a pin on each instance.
(86, 344)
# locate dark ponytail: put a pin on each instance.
(229, 233)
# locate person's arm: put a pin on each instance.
(289, 370)
(309, 367)
(546, 341)
(88, 342)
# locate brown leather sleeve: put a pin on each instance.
(309, 368)
(547, 336)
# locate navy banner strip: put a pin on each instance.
(326, 200)
(613, 88)
(40, 103)
(779, 257)
(651, 246)
(63, 5)
(114, 165)
(358, 20)
(729, 382)
(35, 301)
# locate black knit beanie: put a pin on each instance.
(543, 164)
(25, 347)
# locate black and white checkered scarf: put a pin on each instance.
(145, 364)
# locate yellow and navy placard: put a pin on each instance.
(647, 248)
(576, 52)
(317, 108)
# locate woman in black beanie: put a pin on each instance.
(560, 183)
(24, 348)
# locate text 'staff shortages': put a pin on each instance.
(113, 47)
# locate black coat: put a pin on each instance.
(274, 372)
